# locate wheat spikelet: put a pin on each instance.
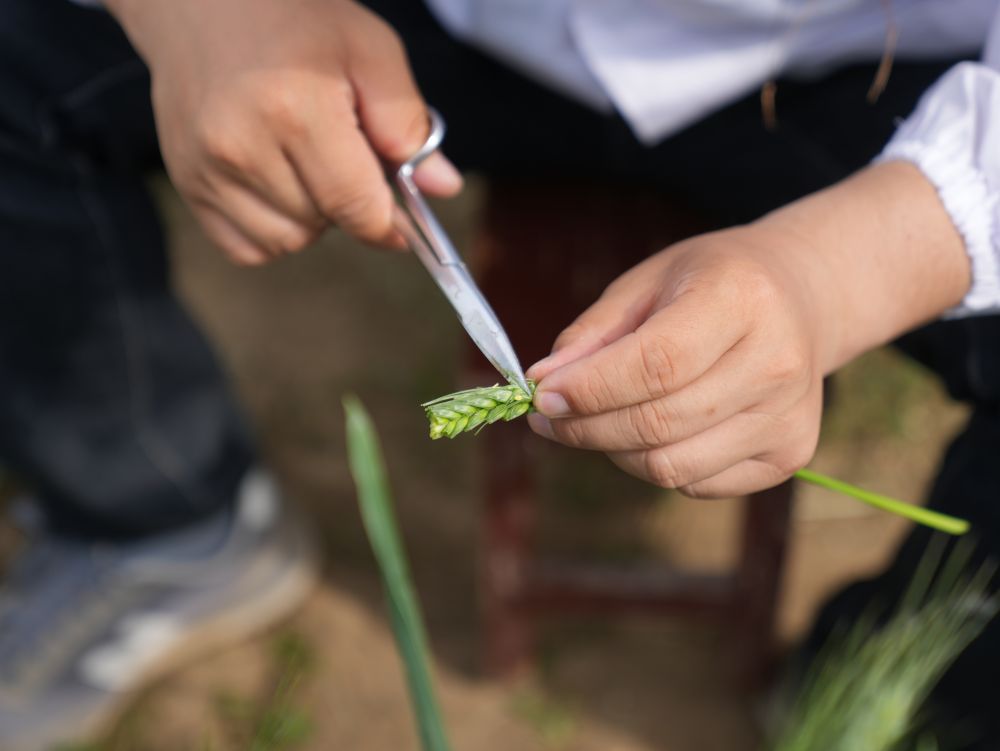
(474, 409)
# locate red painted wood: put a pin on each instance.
(766, 527)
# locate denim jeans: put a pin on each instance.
(111, 403)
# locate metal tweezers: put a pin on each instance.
(425, 236)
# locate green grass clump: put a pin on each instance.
(866, 690)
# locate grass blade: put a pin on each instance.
(927, 517)
(867, 687)
(375, 499)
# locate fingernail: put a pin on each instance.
(439, 175)
(541, 425)
(558, 358)
(551, 404)
(538, 366)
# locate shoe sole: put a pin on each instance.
(237, 624)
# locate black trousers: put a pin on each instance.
(111, 402)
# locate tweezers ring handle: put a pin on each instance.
(434, 139)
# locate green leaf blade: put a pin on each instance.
(375, 500)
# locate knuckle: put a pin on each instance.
(303, 239)
(281, 110)
(652, 425)
(590, 394)
(790, 365)
(570, 432)
(247, 262)
(657, 365)
(765, 473)
(358, 210)
(697, 491)
(403, 141)
(242, 256)
(661, 470)
(792, 459)
(190, 183)
(290, 241)
(754, 283)
(222, 149)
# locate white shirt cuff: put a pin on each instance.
(944, 138)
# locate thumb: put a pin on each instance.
(620, 310)
(393, 114)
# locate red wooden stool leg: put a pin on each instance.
(765, 534)
(506, 551)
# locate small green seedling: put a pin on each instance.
(375, 499)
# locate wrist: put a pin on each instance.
(881, 256)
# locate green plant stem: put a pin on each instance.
(375, 498)
(927, 517)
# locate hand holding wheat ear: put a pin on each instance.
(702, 367)
(473, 409)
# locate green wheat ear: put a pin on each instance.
(474, 409)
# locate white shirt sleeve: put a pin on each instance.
(954, 138)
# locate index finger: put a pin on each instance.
(669, 350)
(342, 174)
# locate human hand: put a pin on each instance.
(701, 368)
(274, 117)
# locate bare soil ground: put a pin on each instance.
(298, 335)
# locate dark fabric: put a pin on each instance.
(111, 403)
